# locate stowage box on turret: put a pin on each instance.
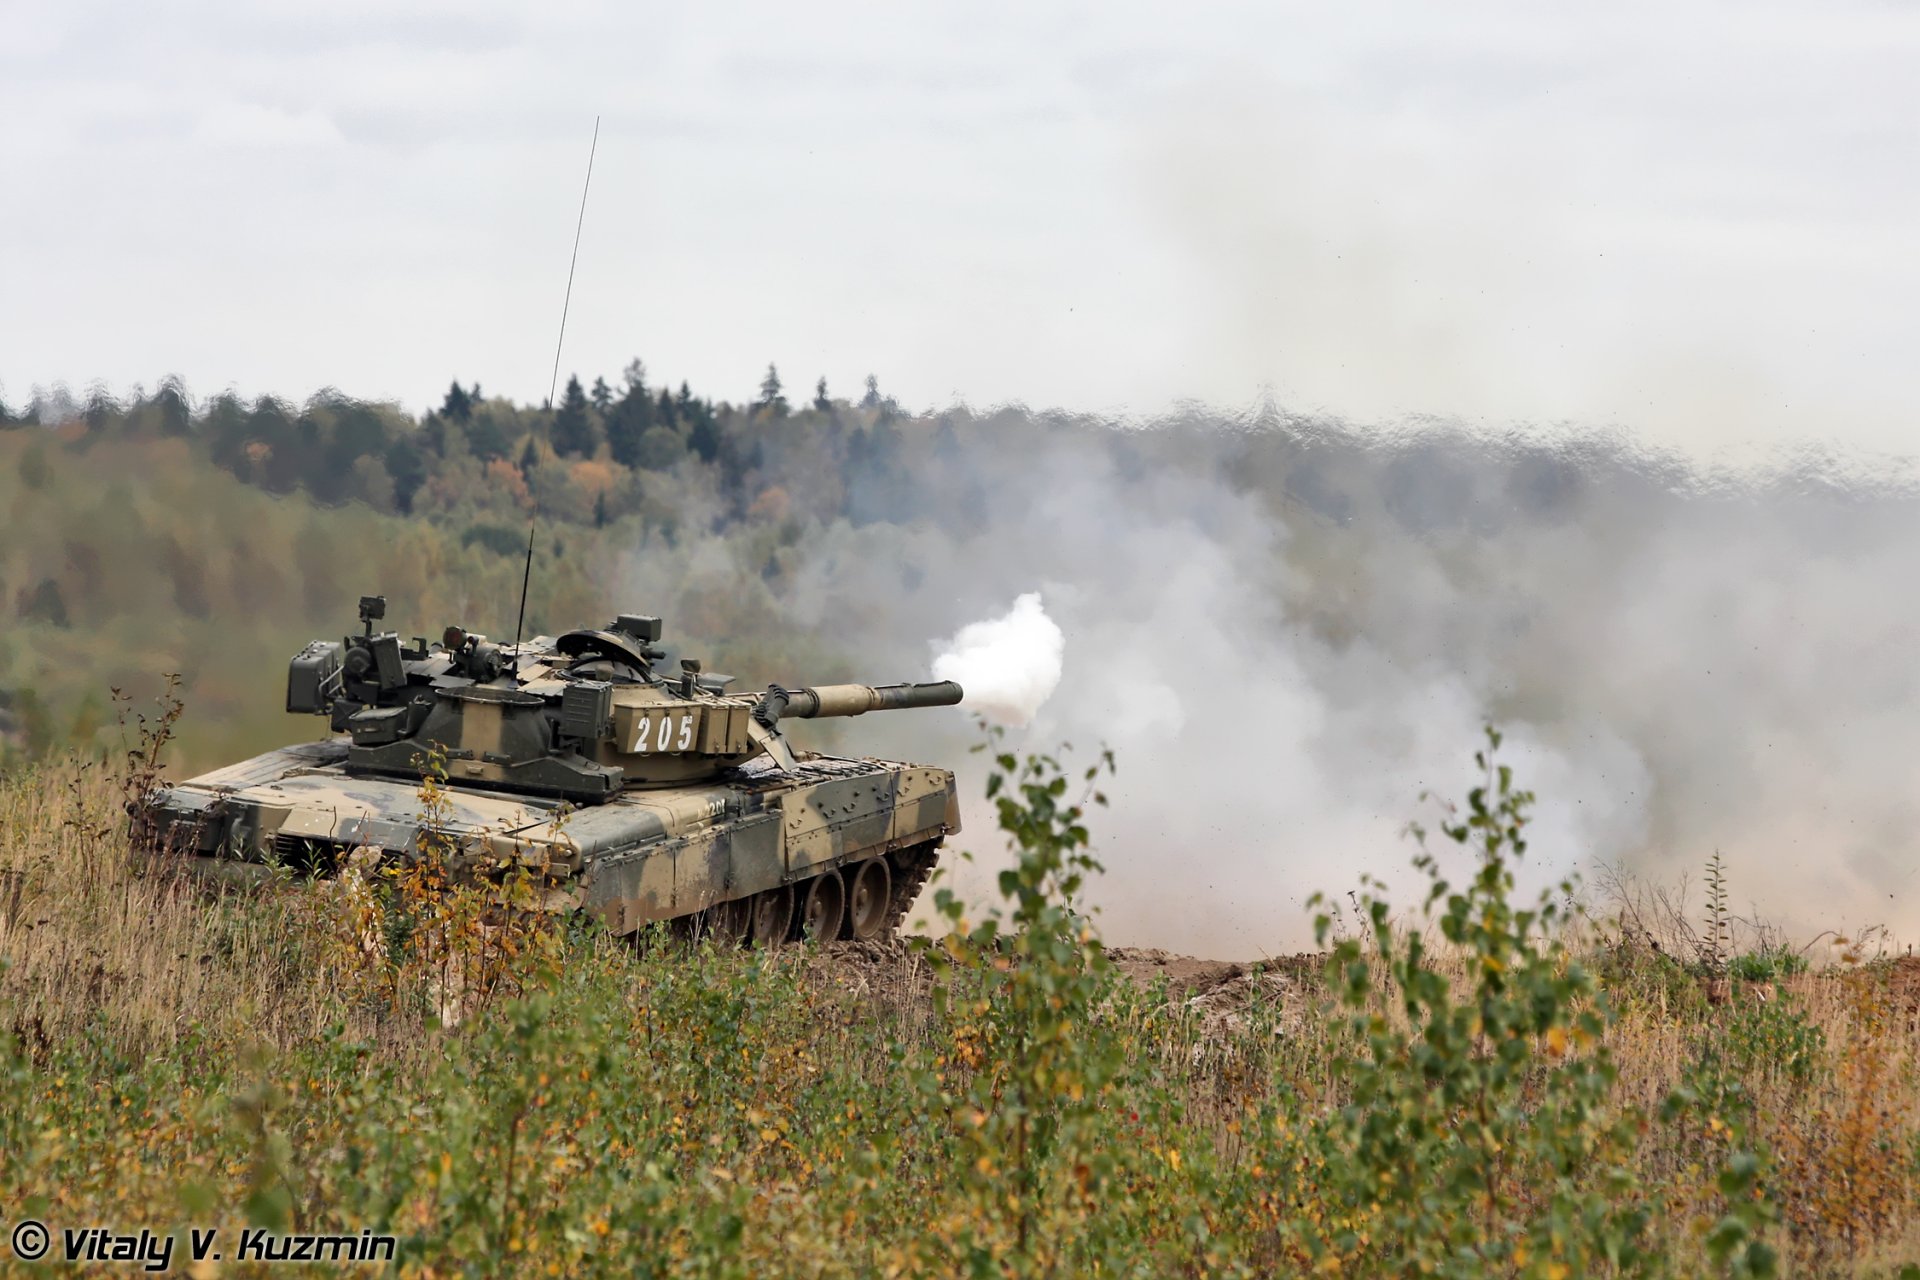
(638, 795)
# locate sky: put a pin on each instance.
(1694, 222)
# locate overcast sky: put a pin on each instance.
(1694, 221)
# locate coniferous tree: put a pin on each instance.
(623, 434)
(665, 410)
(632, 414)
(225, 429)
(821, 400)
(101, 410)
(703, 437)
(170, 401)
(602, 397)
(771, 398)
(529, 457)
(458, 405)
(573, 434)
(626, 423)
(871, 400)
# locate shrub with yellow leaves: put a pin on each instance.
(1029, 1063)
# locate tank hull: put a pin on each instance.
(677, 852)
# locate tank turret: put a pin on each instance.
(581, 715)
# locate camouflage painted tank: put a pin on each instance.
(638, 795)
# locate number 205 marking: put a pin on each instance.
(671, 735)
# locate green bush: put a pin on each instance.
(1031, 1059)
(1479, 1134)
(1767, 964)
(1635, 975)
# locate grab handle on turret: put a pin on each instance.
(851, 700)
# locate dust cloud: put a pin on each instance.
(1289, 630)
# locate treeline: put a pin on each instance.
(820, 534)
(211, 537)
(604, 452)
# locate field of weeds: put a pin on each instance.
(1480, 1088)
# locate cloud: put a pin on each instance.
(1645, 215)
(251, 124)
(1558, 220)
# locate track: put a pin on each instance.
(912, 868)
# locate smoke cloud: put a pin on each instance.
(1289, 631)
(1008, 665)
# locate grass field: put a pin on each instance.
(1488, 1090)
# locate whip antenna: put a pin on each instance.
(526, 577)
(554, 385)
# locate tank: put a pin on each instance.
(637, 794)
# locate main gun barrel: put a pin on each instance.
(853, 700)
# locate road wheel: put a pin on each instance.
(868, 900)
(728, 921)
(772, 916)
(823, 908)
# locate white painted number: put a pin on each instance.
(663, 738)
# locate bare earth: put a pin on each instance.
(1220, 992)
(1195, 977)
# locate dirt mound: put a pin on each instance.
(890, 971)
(1183, 974)
(1226, 993)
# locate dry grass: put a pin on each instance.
(211, 1049)
(133, 958)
